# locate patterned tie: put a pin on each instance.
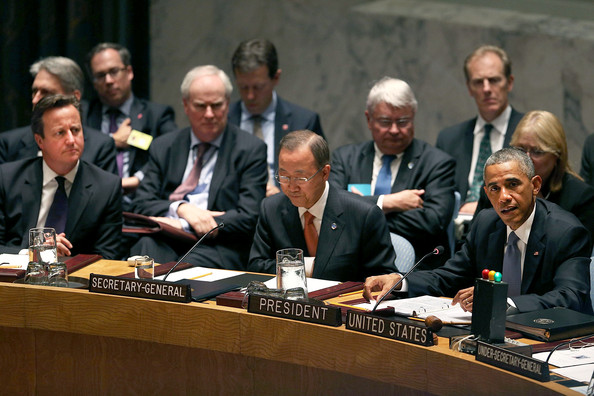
(474, 192)
(257, 129)
(383, 184)
(113, 127)
(58, 213)
(311, 234)
(512, 268)
(193, 178)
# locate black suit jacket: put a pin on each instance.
(238, 186)
(457, 141)
(94, 223)
(422, 167)
(556, 264)
(151, 118)
(587, 171)
(354, 241)
(20, 143)
(289, 117)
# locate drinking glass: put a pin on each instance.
(42, 246)
(36, 274)
(145, 268)
(290, 269)
(57, 274)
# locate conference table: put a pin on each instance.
(72, 341)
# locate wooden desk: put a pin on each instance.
(66, 341)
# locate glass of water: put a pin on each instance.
(36, 274)
(290, 269)
(57, 274)
(145, 268)
(42, 246)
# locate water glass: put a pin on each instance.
(290, 269)
(36, 274)
(145, 268)
(57, 274)
(42, 245)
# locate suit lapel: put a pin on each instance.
(80, 195)
(282, 126)
(363, 168)
(292, 223)
(137, 122)
(178, 158)
(235, 114)
(535, 249)
(31, 194)
(407, 167)
(221, 167)
(497, 239)
(330, 232)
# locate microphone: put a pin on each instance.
(192, 248)
(436, 252)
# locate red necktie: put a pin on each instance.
(311, 234)
(193, 178)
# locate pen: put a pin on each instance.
(9, 266)
(202, 276)
(351, 293)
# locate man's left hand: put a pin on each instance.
(464, 297)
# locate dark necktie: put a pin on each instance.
(113, 127)
(484, 153)
(58, 213)
(193, 178)
(257, 130)
(311, 234)
(383, 184)
(512, 267)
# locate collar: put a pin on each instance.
(266, 114)
(49, 175)
(378, 153)
(523, 231)
(317, 209)
(216, 143)
(124, 108)
(499, 123)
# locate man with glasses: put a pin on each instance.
(411, 181)
(343, 237)
(198, 177)
(489, 81)
(118, 112)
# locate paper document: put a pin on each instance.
(424, 306)
(568, 357)
(14, 261)
(313, 284)
(581, 373)
(200, 273)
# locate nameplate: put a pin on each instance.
(153, 289)
(296, 310)
(395, 329)
(512, 361)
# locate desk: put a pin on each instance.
(67, 341)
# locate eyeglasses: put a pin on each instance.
(113, 73)
(297, 180)
(535, 153)
(401, 123)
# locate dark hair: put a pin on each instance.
(318, 146)
(252, 54)
(123, 51)
(510, 154)
(484, 49)
(48, 103)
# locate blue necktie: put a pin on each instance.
(512, 267)
(383, 184)
(58, 213)
(484, 153)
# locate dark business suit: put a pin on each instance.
(422, 167)
(289, 117)
(148, 117)
(94, 221)
(238, 186)
(457, 141)
(556, 264)
(575, 196)
(20, 143)
(354, 242)
(587, 171)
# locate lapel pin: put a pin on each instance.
(334, 226)
(536, 253)
(285, 127)
(411, 165)
(139, 116)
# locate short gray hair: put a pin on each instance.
(201, 71)
(64, 69)
(318, 146)
(510, 154)
(392, 91)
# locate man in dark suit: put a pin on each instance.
(552, 247)
(91, 220)
(260, 110)
(411, 181)
(353, 240)
(489, 80)
(57, 75)
(117, 112)
(200, 176)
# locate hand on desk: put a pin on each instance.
(63, 245)
(200, 220)
(465, 298)
(381, 283)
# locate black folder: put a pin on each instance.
(552, 324)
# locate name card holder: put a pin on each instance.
(365, 322)
(295, 310)
(143, 288)
(512, 361)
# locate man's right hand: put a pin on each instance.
(381, 283)
(200, 220)
(120, 137)
(403, 200)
